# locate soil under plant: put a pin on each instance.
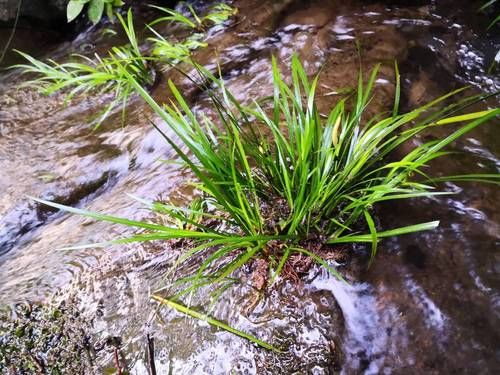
(257, 271)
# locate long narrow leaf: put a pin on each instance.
(216, 323)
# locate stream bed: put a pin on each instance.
(429, 304)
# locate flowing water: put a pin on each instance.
(429, 304)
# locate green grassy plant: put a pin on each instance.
(330, 173)
(278, 174)
(100, 75)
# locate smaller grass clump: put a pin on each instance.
(101, 75)
(105, 75)
(278, 178)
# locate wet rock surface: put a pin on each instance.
(428, 305)
(28, 216)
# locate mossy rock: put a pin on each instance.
(47, 339)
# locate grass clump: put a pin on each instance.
(278, 178)
(283, 172)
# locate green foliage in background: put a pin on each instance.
(175, 52)
(218, 14)
(95, 9)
